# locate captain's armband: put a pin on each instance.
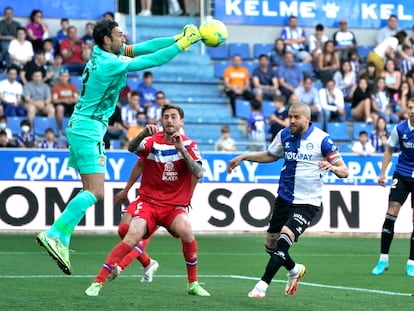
(129, 50)
(333, 157)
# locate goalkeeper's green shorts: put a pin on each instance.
(86, 147)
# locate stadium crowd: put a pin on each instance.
(337, 83)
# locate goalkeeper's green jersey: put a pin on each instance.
(105, 76)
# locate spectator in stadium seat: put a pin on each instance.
(370, 74)
(130, 110)
(11, 95)
(88, 36)
(225, 142)
(135, 128)
(8, 31)
(401, 100)
(187, 7)
(62, 33)
(290, 76)
(346, 81)
(344, 40)
(332, 102)
(389, 30)
(382, 106)
(328, 62)
(294, 38)
(392, 77)
(363, 146)
(256, 127)
(64, 97)
(385, 50)
(316, 42)
(406, 60)
(74, 51)
(37, 29)
(55, 68)
(4, 140)
(20, 50)
(279, 118)
(154, 113)
(37, 64)
(26, 138)
(277, 54)
(115, 129)
(49, 142)
(38, 99)
(237, 82)
(309, 95)
(379, 135)
(147, 91)
(49, 51)
(264, 80)
(3, 127)
(354, 60)
(361, 102)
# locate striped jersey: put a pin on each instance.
(166, 178)
(403, 134)
(300, 178)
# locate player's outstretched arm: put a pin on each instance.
(156, 44)
(163, 56)
(260, 157)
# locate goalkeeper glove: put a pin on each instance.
(191, 35)
(187, 28)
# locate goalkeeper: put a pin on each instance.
(103, 79)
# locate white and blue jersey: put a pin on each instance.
(300, 178)
(403, 134)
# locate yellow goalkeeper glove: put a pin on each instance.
(191, 35)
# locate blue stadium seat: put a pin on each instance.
(261, 48)
(306, 68)
(40, 124)
(250, 66)
(242, 109)
(219, 67)
(65, 121)
(115, 144)
(348, 111)
(268, 108)
(13, 123)
(242, 49)
(218, 53)
(338, 131)
(77, 81)
(358, 127)
(363, 51)
(318, 125)
(345, 148)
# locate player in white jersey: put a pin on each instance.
(402, 186)
(308, 153)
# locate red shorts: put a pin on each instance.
(155, 215)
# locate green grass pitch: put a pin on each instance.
(338, 276)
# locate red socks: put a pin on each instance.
(190, 256)
(115, 256)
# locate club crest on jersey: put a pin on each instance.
(169, 173)
(309, 146)
(124, 58)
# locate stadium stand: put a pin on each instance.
(40, 124)
(13, 123)
(261, 48)
(338, 131)
(242, 49)
(358, 127)
(219, 53)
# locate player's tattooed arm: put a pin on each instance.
(135, 144)
(194, 166)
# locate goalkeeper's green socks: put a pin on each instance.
(71, 216)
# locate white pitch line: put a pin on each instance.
(4, 253)
(240, 277)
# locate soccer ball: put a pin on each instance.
(213, 33)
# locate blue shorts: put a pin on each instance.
(86, 147)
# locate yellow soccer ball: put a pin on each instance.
(213, 33)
